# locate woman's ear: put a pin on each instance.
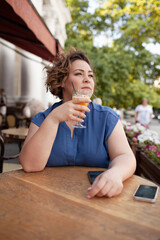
(62, 84)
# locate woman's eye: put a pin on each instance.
(78, 74)
(91, 76)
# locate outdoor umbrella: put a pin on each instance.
(21, 25)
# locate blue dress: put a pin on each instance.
(88, 147)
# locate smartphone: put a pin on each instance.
(146, 193)
(93, 174)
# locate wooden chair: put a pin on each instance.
(1, 120)
(2, 157)
(11, 120)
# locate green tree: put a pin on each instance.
(78, 31)
(133, 21)
(131, 24)
(120, 67)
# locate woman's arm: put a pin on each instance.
(150, 118)
(123, 165)
(135, 116)
(38, 144)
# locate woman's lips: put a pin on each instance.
(86, 88)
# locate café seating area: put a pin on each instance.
(13, 130)
(2, 154)
(14, 118)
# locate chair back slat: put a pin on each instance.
(1, 153)
(11, 120)
(1, 119)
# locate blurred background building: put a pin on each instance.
(22, 73)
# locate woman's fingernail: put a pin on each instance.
(89, 188)
(88, 196)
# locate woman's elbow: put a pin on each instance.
(134, 162)
(28, 167)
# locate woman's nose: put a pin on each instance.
(86, 79)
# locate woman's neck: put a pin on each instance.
(66, 98)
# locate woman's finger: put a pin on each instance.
(105, 190)
(114, 191)
(96, 187)
(79, 114)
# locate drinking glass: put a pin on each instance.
(82, 93)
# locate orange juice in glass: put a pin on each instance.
(83, 93)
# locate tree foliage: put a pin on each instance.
(124, 68)
(136, 21)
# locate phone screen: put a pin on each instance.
(93, 174)
(146, 192)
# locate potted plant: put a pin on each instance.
(148, 156)
(145, 144)
(132, 132)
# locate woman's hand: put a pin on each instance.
(71, 110)
(107, 184)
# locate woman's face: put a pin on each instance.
(81, 75)
(144, 102)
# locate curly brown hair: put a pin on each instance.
(59, 71)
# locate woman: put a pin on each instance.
(143, 113)
(52, 140)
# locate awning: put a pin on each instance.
(21, 25)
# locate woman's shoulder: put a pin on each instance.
(102, 109)
(105, 118)
(39, 117)
(48, 110)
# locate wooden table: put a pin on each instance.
(52, 204)
(15, 134)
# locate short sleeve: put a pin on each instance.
(111, 122)
(38, 119)
(151, 109)
(137, 109)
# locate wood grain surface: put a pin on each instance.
(52, 204)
